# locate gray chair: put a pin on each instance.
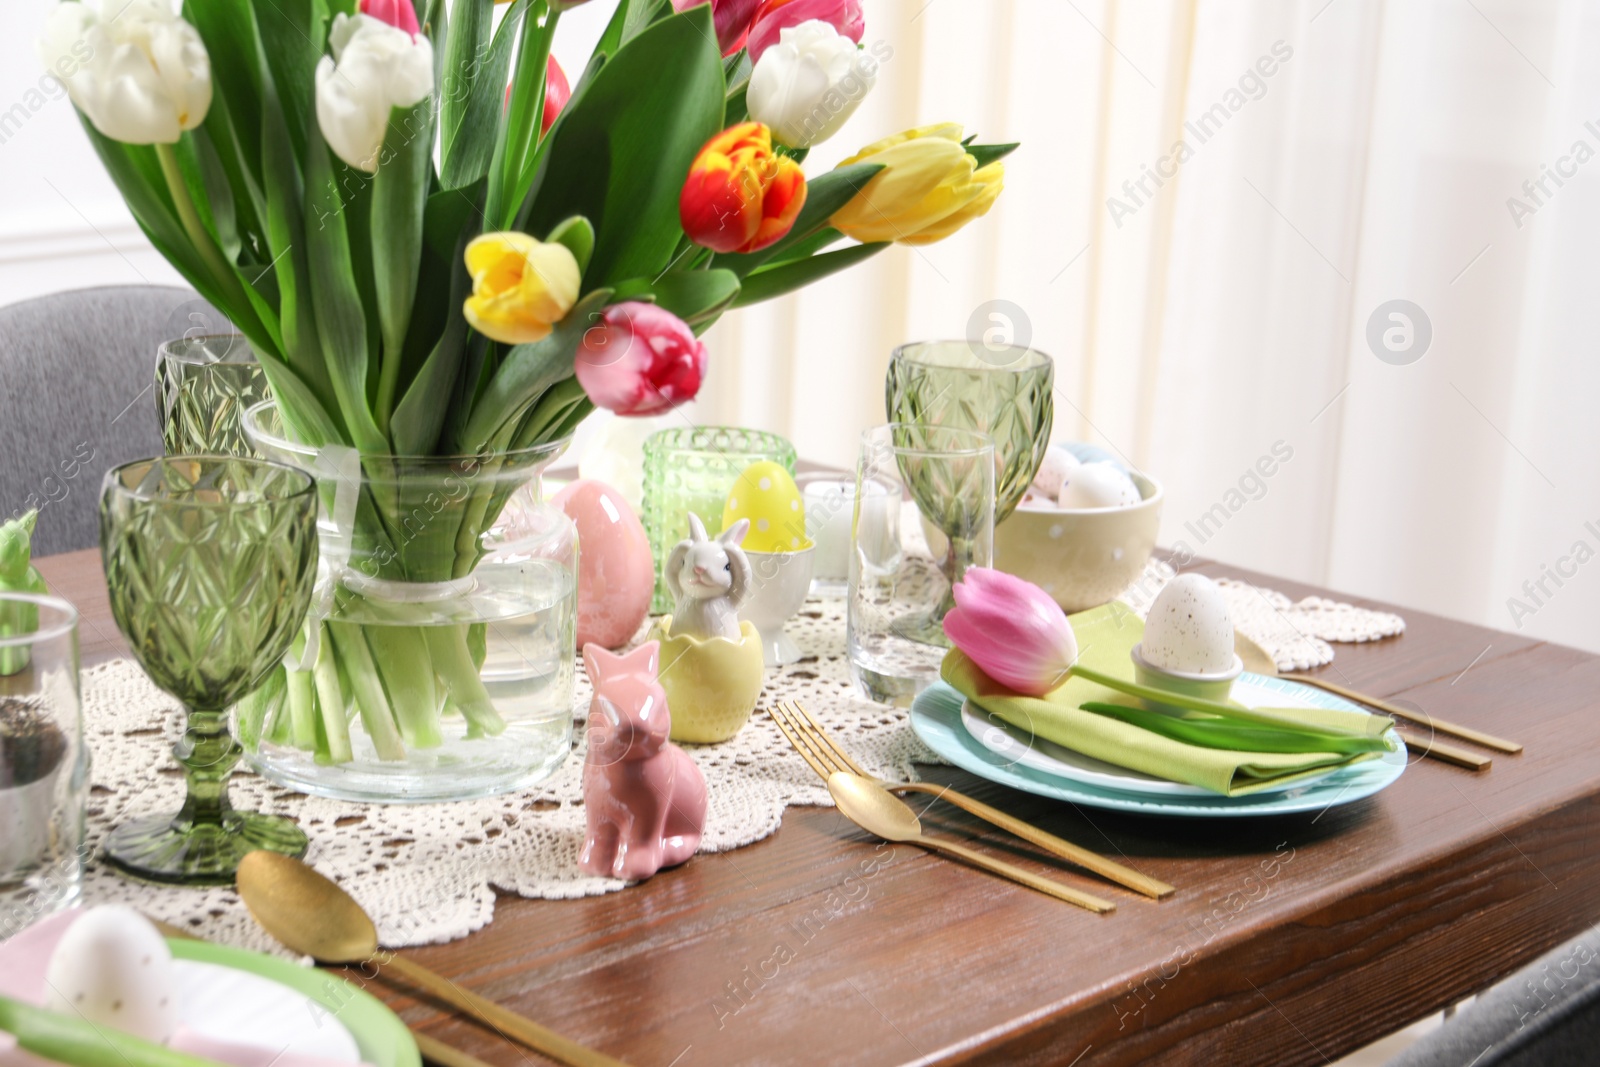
(76, 398)
(1545, 1015)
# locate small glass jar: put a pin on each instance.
(693, 468)
(44, 766)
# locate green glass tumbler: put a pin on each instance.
(693, 468)
(210, 563)
(204, 385)
(1004, 391)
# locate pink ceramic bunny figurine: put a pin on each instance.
(645, 798)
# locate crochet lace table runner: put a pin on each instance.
(430, 873)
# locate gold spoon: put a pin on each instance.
(316, 918)
(877, 811)
(1258, 661)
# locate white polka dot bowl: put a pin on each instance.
(778, 589)
(1082, 557)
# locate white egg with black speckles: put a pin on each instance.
(1189, 629)
(1097, 485)
(113, 968)
(1053, 470)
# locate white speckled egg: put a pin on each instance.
(1097, 485)
(1189, 629)
(1053, 471)
(113, 968)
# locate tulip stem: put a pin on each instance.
(221, 271)
(525, 115)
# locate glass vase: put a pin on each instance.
(437, 660)
(693, 468)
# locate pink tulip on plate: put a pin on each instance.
(1013, 630)
(640, 360)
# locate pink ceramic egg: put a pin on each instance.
(616, 573)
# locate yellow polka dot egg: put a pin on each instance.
(767, 496)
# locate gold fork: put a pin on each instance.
(824, 756)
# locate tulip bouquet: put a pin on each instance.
(439, 246)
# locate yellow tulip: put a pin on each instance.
(520, 286)
(928, 189)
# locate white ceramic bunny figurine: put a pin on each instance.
(710, 579)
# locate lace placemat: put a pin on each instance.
(429, 873)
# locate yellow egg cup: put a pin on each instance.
(712, 683)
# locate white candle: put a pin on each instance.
(830, 508)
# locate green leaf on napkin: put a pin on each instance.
(1212, 732)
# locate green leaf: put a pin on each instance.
(578, 236)
(471, 124)
(287, 245)
(419, 417)
(448, 214)
(988, 153)
(523, 118)
(399, 203)
(549, 418)
(228, 28)
(623, 146)
(695, 296)
(627, 22)
(208, 188)
(809, 247)
(341, 319)
(464, 48)
(787, 277)
(1222, 733)
(527, 371)
(825, 195)
(293, 33)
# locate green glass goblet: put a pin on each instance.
(210, 563)
(1005, 391)
(204, 384)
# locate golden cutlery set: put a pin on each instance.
(872, 804)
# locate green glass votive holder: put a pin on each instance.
(693, 468)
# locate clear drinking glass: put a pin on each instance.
(210, 562)
(1005, 391)
(204, 384)
(899, 590)
(693, 468)
(44, 766)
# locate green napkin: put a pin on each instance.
(1106, 636)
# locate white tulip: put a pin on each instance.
(136, 70)
(807, 85)
(374, 69)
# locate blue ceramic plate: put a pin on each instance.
(936, 717)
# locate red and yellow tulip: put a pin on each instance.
(740, 195)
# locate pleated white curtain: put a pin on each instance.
(1213, 199)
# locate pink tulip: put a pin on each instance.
(556, 94)
(775, 16)
(398, 13)
(640, 360)
(1012, 630)
(732, 19)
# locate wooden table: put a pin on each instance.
(1291, 940)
